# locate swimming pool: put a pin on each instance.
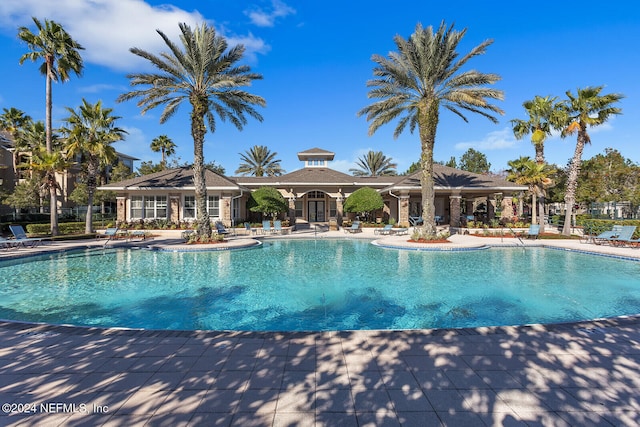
(312, 285)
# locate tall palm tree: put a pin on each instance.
(414, 82)
(15, 121)
(259, 161)
(525, 171)
(60, 55)
(374, 163)
(203, 72)
(165, 145)
(90, 131)
(585, 109)
(545, 115)
(48, 164)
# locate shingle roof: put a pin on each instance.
(447, 177)
(324, 176)
(172, 178)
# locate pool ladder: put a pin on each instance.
(518, 237)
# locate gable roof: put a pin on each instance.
(446, 178)
(178, 178)
(317, 176)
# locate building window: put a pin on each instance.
(189, 210)
(298, 207)
(136, 206)
(213, 206)
(148, 207)
(333, 209)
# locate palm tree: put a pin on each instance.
(544, 116)
(525, 171)
(49, 164)
(15, 121)
(259, 161)
(414, 82)
(586, 109)
(374, 163)
(61, 55)
(91, 131)
(165, 145)
(203, 72)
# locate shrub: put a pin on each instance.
(363, 201)
(63, 228)
(268, 201)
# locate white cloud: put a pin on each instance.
(101, 87)
(263, 18)
(107, 29)
(497, 140)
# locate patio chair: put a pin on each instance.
(266, 227)
(385, 231)
(21, 236)
(248, 229)
(277, 227)
(415, 220)
(220, 229)
(355, 228)
(607, 236)
(534, 231)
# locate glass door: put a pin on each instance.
(316, 211)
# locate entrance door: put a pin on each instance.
(316, 211)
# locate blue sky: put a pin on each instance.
(316, 59)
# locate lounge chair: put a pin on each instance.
(400, 231)
(355, 228)
(277, 227)
(109, 233)
(138, 234)
(385, 231)
(220, 229)
(534, 231)
(625, 236)
(248, 229)
(6, 243)
(415, 220)
(21, 236)
(607, 236)
(266, 227)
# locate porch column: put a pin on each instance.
(121, 208)
(292, 210)
(507, 208)
(403, 215)
(469, 206)
(491, 207)
(225, 210)
(454, 210)
(174, 208)
(339, 209)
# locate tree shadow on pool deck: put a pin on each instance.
(559, 375)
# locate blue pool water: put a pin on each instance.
(317, 285)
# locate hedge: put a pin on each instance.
(597, 226)
(63, 228)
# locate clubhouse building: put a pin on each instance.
(315, 193)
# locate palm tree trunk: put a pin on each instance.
(428, 122)
(198, 130)
(534, 204)
(541, 213)
(572, 182)
(92, 170)
(53, 196)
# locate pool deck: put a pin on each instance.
(583, 374)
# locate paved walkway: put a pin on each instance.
(558, 375)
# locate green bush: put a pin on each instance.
(63, 228)
(363, 201)
(597, 226)
(268, 201)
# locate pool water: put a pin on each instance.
(315, 285)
